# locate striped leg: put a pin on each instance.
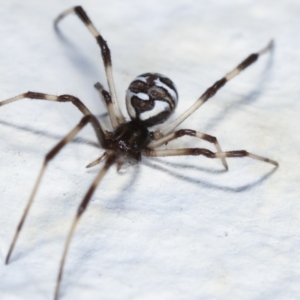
(105, 96)
(111, 158)
(183, 132)
(207, 153)
(51, 154)
(97, 161)
(105, 52)
(63, 98)
(211, 91)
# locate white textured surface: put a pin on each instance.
(177, 228)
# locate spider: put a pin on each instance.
(150, 100)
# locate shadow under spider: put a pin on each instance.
(204, 183)
(76, 140)
(189, 166)
(89, 70)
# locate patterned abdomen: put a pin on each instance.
(151, 98)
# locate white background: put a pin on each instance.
(173, 228)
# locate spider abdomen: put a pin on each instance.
(151, 98)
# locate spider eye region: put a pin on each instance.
(151, 98)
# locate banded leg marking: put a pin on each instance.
(189, 132)
(63, 98)
(105, 52)
(41, 96)
(111, 158)
(207, 153)
(50, 155)
(105, 96)
(211, 91)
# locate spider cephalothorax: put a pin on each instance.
(130, 139)
(150, 99)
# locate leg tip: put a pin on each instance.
(269, 47)
(225, 164)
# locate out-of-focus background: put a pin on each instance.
(173, 228)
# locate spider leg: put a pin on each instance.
(207, 153)
(63, 98)
(97, 161)
(105, 52)
(211, 91)
(105, 96)
(50, 155)
(183, 132)
(111, 158)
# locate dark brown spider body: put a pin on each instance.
(150, 100)
(130, 139)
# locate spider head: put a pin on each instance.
(151, 98)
